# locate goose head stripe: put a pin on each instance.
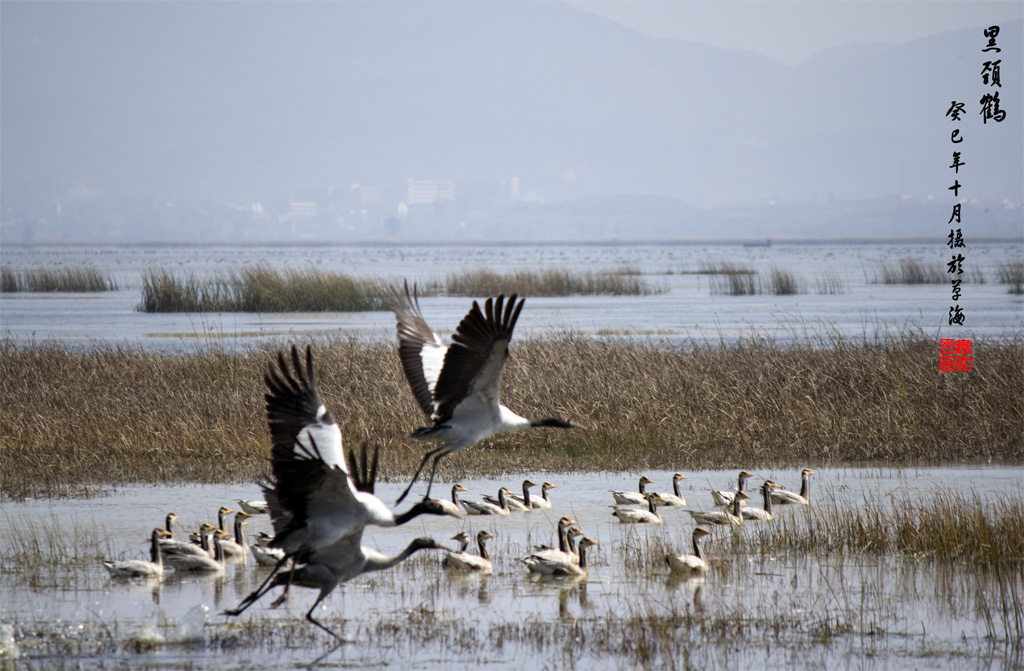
(458, 386)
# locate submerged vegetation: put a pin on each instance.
(75, 418)
(65, 279)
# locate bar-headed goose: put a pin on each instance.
(633, 498)
(785, 497)
(690, 565)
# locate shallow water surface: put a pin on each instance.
(757, 607)
(683, 310)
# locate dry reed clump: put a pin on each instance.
(949, 525)
(624, 282)
(74, 417)
(1012, 273)
(262, 289)
(65, 279)
(742, 281)
(908, 270)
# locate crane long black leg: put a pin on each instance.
(287, 588)
(309, 616)
(416, 475)
(433, 469)
(259, 592)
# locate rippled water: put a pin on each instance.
(685, 310)
(803, 610)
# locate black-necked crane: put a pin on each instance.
(633, 498)
(138, 568)
(723, 498)
(690, 565)
(306, 495)
(319, 502)
(317, 507)
(765, 513)
(785, 497)
(458, 386)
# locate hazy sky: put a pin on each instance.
(800, 28)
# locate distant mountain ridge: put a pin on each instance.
(243, 102)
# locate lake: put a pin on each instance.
(758, 607)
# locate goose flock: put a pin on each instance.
(320, 499)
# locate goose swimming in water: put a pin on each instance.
(486, 507)
(569, 554)
(675, 499)
(727, 517)
(541, 502)
(690, 565)
(516, 503)
(458, 386)
(201, 563)
(464, 561)
(723, 498)
(562, 567)
(639, 515)
(762, 514)
(784, 497)
(252, 507)
(169, 546)
(633, 498)
(237, 549)
(138, 568)
(452, 507)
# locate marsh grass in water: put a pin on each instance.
(730, 280)
(261, 289)
(65, 279)
(623, 282)
(1012, 274)
(109, 416)
(949, 526)
(915, 271)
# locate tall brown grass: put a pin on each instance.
(65, 279)
(74, 417)
(951, 526)
(261, 289)
(1012, 273)
(625, 282)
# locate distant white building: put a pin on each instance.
(298, 210)
(425, 191)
